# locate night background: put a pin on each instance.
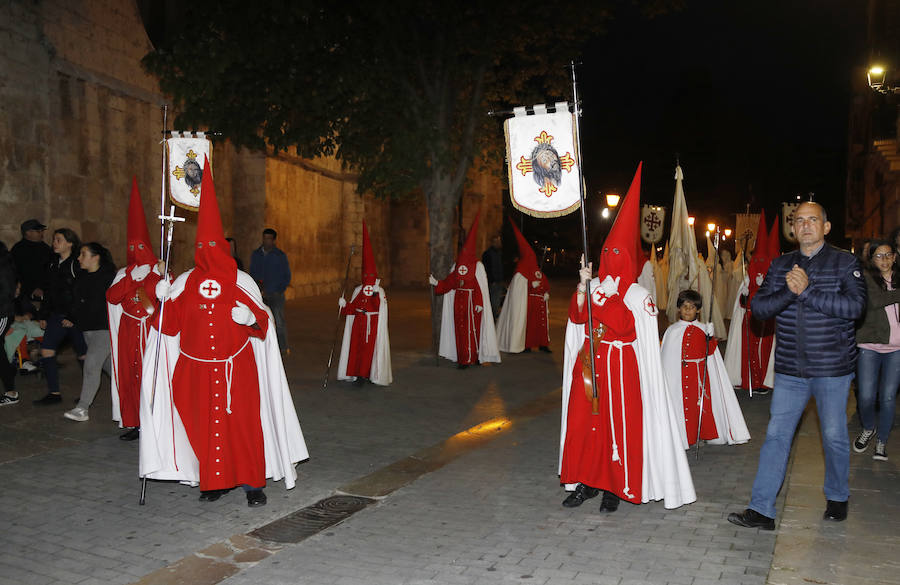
(753, 97)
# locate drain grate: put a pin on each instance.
(313, 519)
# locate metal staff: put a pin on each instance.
(584, 240)
(162, 185)
(337, 326)
(746, 324)
(702, 387)
(434, 345)
(170, 219)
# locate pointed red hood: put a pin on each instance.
(527, 265)
(369, 272)
(774, 241)
(622, 253)
(469, 255)
(140, 251)
(212, 253)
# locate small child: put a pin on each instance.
(697, 381)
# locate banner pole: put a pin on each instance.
(584, 238)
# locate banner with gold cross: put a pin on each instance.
(541, 150)
(184, 167)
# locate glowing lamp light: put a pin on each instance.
(876, 76)
(691, 221)
(612, 199)
(727, 232)
(711, 227)
(605, 213)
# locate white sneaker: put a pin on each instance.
(880, 453)
(28, 367)
(78, 414)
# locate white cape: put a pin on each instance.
(513, 318)
(734, 349)
(166, 453)
(730, 424)
(487, 346)
(665, 472)
(380, 373)
(647, 278)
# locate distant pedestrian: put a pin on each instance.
(89, 316)
(878, 337)
(32, 256)
(270, 268)
(815, 294)
(492, 258)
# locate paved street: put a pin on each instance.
(469, 460)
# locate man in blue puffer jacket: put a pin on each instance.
(815, 294)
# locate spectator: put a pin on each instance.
(270, 269)
(492, 258)
(32, 256)
(7, 296)
(90, 317)
(878, 337)
(22, 327)
(815, 294)
(55, 317)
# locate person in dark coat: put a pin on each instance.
(7, 298)
(31, 256)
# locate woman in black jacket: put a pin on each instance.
(55, 312)
(91, 318)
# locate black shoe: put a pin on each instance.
(752, 519)
(462, 366)
(609, 503)
(545, 349)
(761, 391)
(256, 498)
(836, 511)
(526, 350)
(359, 381)
(212, 495)
(582, 492)
(131, 434)
(48, 400)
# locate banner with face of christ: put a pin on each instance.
(184, 168)
(541, 151)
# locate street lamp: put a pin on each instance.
(711, 227)
(605, 213)
(691, 221)
(612, 199)
(727, 232)
(876, 76)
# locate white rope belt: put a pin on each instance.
(143, 332)
(229, 370)
(471, 322)
(701, 380)
(368, 315)
(618, 344)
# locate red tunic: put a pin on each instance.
(588, 453)
(537, 333)
(216, 373)
(756, 348)
(466, 312)
(132, 338)
(364, 308)
(693, 365)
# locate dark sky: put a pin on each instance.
(753, 96)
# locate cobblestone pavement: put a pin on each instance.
(491, 514)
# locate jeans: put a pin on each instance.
(789, 398)
(878, 375)
(275, 300)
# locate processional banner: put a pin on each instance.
(787, 221)
(542, 154)
(745, 228)
(652, 223)
(184, 162)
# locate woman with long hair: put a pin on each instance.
(878, 338)
(90, 317)
(56, 309)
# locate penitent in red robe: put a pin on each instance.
(467, 308)
(134, 298)
(600, 450)
(364, 308)
(537, 333)
(215, 383)
(693, 366)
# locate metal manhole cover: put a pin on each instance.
(313, 519)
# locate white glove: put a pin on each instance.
(342, 302)
(535, 283)
(163, 287)
(242, 315)
(759, 279)
(478, 308)
(609, 286)
(432, 280)
(139, 273)
(546, 297)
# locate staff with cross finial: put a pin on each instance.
(170, 221)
